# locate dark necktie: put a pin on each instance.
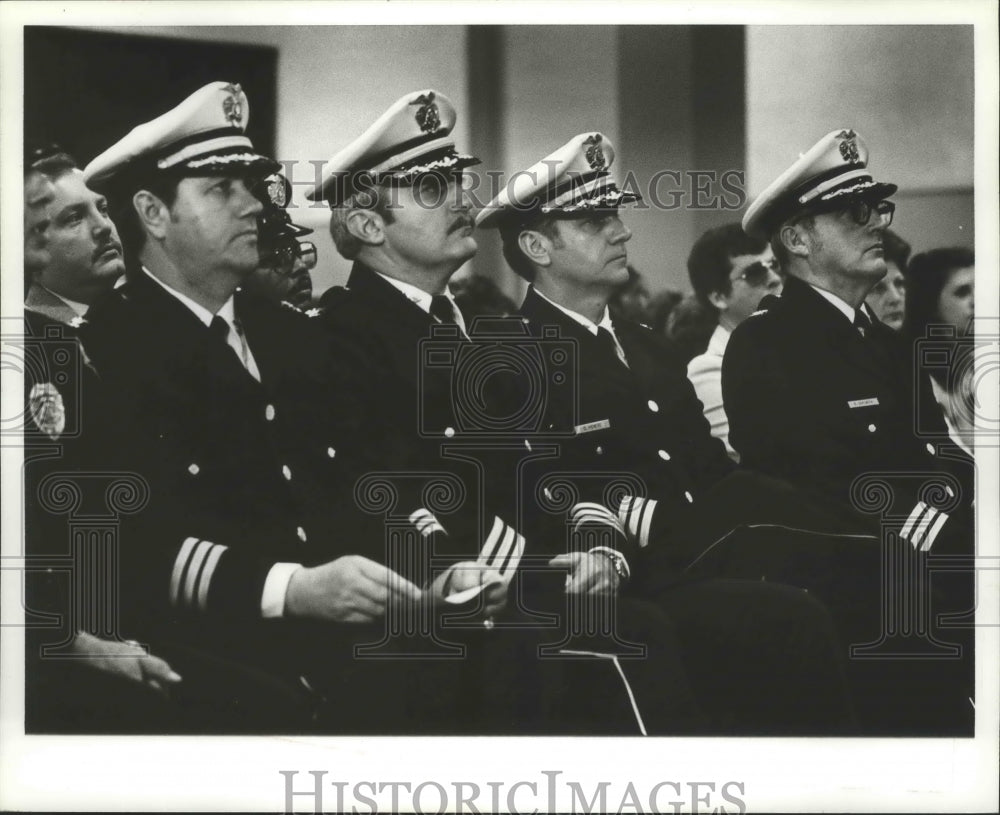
(607, 341)
(442, 309)
(862, 322)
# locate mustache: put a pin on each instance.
(104, 247)
(461, 222)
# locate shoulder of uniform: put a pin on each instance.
(309, 313)
(768, 302)
(336, 297)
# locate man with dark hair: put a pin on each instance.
(72, 257)
(730, 273)
(632, 424)
(240, 415)
(821, 393)
(72, 254)
(398, 213)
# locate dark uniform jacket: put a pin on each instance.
(813, 402)
(57, 453)
(413, 368)
(241, 474)
(643, 420)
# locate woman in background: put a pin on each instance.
(940, 306)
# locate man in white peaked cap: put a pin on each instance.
(655, 476)
(240, 414)
(820, 392)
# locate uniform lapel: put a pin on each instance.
(818, 318)
(388, 300)
(42, 301)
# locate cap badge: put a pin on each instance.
(595, 155)
(849, 146)
(45, 404)
(276, 190)
(427, 115)
(232, 108)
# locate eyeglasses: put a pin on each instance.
(283, 256)
(860, 209)
(757, 274)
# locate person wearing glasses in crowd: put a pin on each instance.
(730, 272)
(285, 261)
(887, 299)
(821, 393)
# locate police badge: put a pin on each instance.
(232, 108)
(849, 146)
(427, 115)
(595, 155)
(45, 404)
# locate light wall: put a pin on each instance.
(333, 81)
(908, 90)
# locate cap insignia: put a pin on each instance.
(595, 155)
(276, 190)
(427, 115)
(849, 146)
(232, 108)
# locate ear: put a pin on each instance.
(719, 300)
(535, 246)
(153, 213)
(793, 238)
(366, 226)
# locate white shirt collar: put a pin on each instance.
(718, 341)
(842, 307)
(587, 323)
(227, 312)
(422, 299)
(79, 308)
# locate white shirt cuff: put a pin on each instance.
(272, 600)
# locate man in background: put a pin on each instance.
(72, 257)
(72, 253)
(730, 273)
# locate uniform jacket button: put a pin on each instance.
(286, 472)
(194, 469)
(653, 406)
(689, 496)
(930, 448)
(449, 432)
(872, 428)
(301, 533)
(269, 413)
(331, 452)
(599, 450)
(664, 455)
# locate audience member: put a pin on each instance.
(730, 272)
(940, 303)
(887, 299)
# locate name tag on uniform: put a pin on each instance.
(590, 427)
(856, 403)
